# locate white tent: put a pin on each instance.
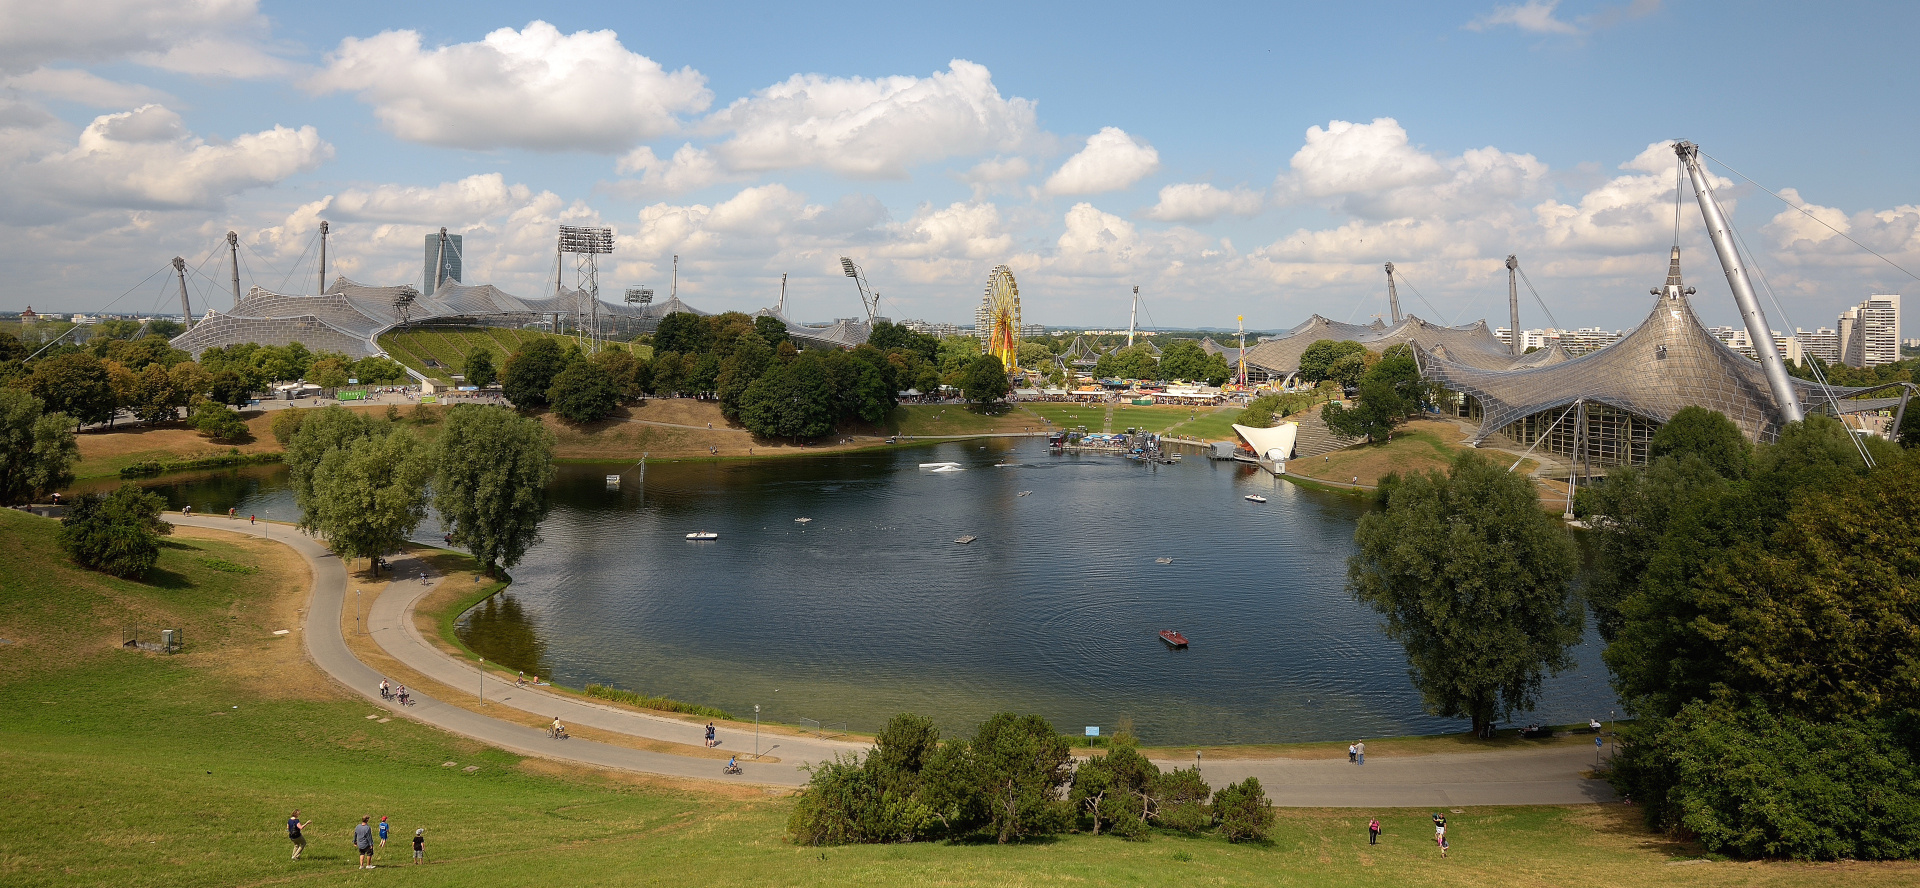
(1275, 443)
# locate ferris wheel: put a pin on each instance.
(1002, 308)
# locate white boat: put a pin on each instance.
(949, 467)
(703, 535)
(1162, 561)
(966, 539)
(939, 465)
(1255, 498)
(1024, 493)
(801, 520)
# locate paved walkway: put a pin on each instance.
(1549, 776)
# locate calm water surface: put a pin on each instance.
(871, 608)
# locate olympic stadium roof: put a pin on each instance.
(1472, 343)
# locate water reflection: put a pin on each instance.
(500, 630)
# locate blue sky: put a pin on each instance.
(1257, 160)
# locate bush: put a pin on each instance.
(1180, 801)
(117, 534)
(1752, 784)
(880, 799)
(1244, 812)
(286, 423)
(219, 422)
(662, 704)
(584, 392)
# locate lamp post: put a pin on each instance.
(756, 730)
(483, 681)
(356, 613)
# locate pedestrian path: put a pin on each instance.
(1547, 776)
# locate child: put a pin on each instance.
(383, 831)
(420, 845)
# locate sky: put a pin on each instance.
(1259, 160)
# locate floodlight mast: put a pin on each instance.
(1133, 314)
(186, 308)
(586, 243)
(1721, 232)
(869, 300)
(323, 259)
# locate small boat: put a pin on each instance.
(1024, 493)
(966, 539)
(801, 520)
(1255, 498)
(703, 535)
(1162, 561)
(1172, 638)
(939, 465)
(951, 467)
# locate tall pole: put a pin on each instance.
(1393, 295)
(1242, 321)
(439, 264)
(673, 292)
(233, 249)
(323, 258)
(783, 296)
(1134, 313)
(186, 308)
(1513, 306)
(1758, 333)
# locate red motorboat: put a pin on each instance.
(1172, 638)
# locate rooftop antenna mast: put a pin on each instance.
(1758, 333)
(673, 288)
(1133, 314)
(1242, 321)
(323, 259)
(1513, 305)
(1393, 295)
(233, 250)
(186, 308)
(869, 300)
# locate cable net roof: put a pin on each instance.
(1473, 343)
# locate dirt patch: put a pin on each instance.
(693, 789)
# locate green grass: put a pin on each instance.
(1153, 419)
(450, 346)
(954, 419)
(133, 769)
(1068, 416)
(1214, 426)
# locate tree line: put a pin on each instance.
(1014, 779)
(1760, 608)
(751, 367)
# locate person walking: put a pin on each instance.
(1352, 754)
(1373, 831)
(1440, 833)
(253, 519)
(420, 845)
(363, 841)
(710, 741)
(1361, 748)
(296, 832)
(383, 831)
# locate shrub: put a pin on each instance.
(1244, 812)
(880, 799)
(219, 422)
(1752, 783)
(1180, 801)
(117, 534)
(584, 392)
(286, 423)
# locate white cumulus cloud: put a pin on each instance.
(84, 87)
(461, 202)
(1533, 16)
(1112, 161)
(689, 169)
(147, 159)
(534, 88)
(192, 36)
(1201, 202)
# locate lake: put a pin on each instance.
(871, 608)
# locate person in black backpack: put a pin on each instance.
(295, 832)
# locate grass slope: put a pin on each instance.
(135, 769)
(450, 345)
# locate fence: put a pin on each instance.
(828, 731)
(147, 638)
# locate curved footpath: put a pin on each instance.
(1546, 776)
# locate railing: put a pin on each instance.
(828, 731)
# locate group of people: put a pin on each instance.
(1439, 832)
(388, 693)
(1357, 752)
(363, 838)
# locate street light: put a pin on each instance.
(756, 730)
(483, 681)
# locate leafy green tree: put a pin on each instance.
(328, 373)
(319, 432)
(957, 353)
(584, 392)
(682, 332)
(1630, 512)
(794, 400)
(75, 384)
(1007, 779)
(156, 395)
(370, 494)
(286, 423)
(165, 329)
(772, 331)
(218, 422)
(530, 372)
(1316, 363)
(985, 381)
(879, 799)
(751, 357)
(1184, 359)
(623, 368)
(491, 485)
(229, 386)
(1707, 434)
(1136, 362)
(669, 373)
(11, 348)
(863, 384)
(1244, 812)
(117, 534)
(376, 370)
(1180, 800)
(887, 336)
(704, 374)
(478, 367)
(1474, 582)
(37, 451)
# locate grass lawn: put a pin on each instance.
(1418, 446)
(1213, 425)
(134, 769)
(1067, 416)
(956, 419)
(450, 346)
(1153, 419)
(104, 452)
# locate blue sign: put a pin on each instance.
(1093, 730)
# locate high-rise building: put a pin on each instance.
(1822, 343)
(1870, 332)
(449, 260)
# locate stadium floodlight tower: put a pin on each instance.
(1758, 333)
(869, 300)
(586, 243)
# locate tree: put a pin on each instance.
(491, 485)
(1707, 434)
(1316, 363)
(530, 372)
(682, 332)
(117, 534)
(1473, 580)
(879, 799)
(376, 370)
(863, 385)
(668, 372)
(1180, 800)
(985, 381)
(328, 373)
(286, 423)
(584, 392)
(772, 330)
(957, 353)
(370, 494)
(218, 422)
(751, 357)
(793, 400)
(1245, 813)
(478, 368)
(887, 336)
(623, 368)
(1630, 512)
(37, 451)
(229, 386)
(1136, 362)
(319, 433)
(75, 384)
(156, 398)
(1007, 779)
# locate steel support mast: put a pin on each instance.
(1133, 314)
(233, 249)
(323, 260)
(1393, 295)
(1513, 306)
(186, 308)
(1721, 231)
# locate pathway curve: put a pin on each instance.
(1547, 776)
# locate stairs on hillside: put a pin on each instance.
(1315, 439)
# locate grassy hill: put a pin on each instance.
(449, 346)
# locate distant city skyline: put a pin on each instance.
(1260, 161)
